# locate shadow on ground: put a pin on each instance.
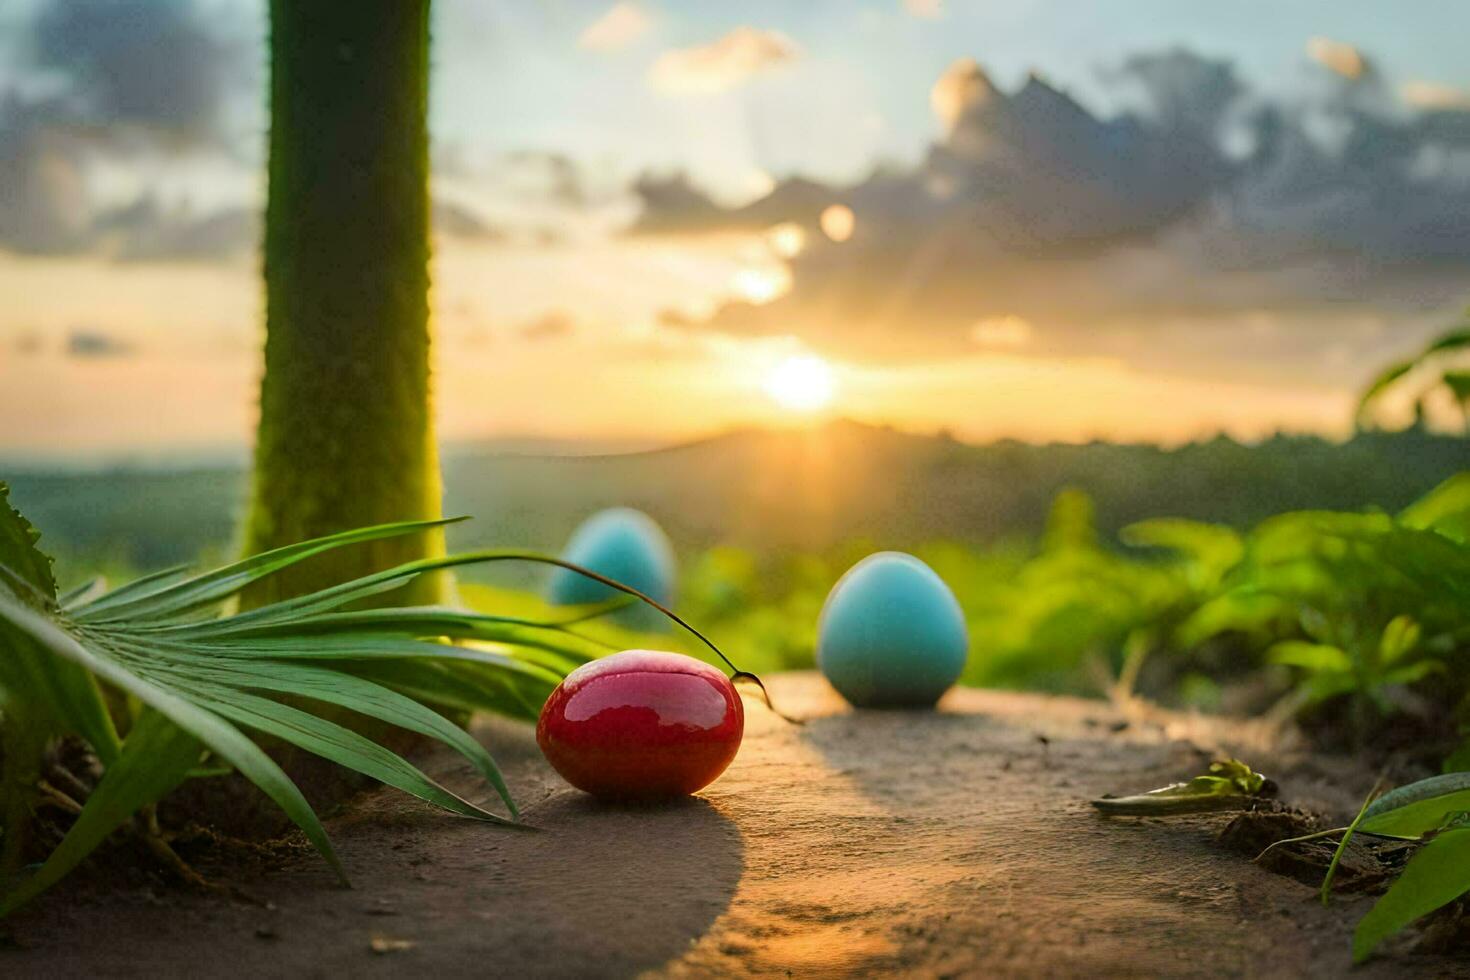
(596, 891)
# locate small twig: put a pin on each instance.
(55, 797)
(153, 836)
(63, 774)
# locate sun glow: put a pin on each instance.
(802, 383)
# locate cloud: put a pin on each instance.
(149, 231)
(925, 9)
(962, 87)
(730, 61)
(44, 205)
(1338, 57)
(555, 176)
(148, 63)
(89, 344)
(1001, 332)
(1434, 95)
(671, 204)
(620, 26)
(459, 221)
(1165, 234)
(550, 326)
(126, 81)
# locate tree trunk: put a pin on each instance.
(346, 433)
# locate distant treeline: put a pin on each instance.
(780, 490)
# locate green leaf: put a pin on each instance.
(60, 695)
(147, 585)
(1399, 637)
(336, 743)
(1458, 382)
(1436, 876)
(376, 647)
(465, 686)
(1412, 811)
(1214, 543)
(1385, 380)
(1316, 657)
(85, 592)
(224, 739)
(191, 594)
(18, 551)
(1229, 785)
(155, 758)
(1448, 500)
(367, 698)
(1457, 338)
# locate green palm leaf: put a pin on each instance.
(205, 679)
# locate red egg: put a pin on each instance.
(642, 725)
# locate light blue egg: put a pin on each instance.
(891, 633)
(625, 545)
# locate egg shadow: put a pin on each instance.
(888, 753)
(611, 889)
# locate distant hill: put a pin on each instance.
(779, 489)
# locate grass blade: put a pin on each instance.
(1347, 835)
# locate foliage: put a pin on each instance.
(159, 683)
(1435, 811)
(1228, 785)
(1358, 605)
(1430, 370)
(1356, 616)
(896, 491)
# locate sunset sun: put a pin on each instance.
(801, 383)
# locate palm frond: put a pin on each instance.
(208, 680)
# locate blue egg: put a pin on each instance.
(627, 546)
(891, 633)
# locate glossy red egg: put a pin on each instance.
(642, 725)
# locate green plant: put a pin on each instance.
(1434, 811)
(164, 688)
(1432, 368)
(1358, 605)
(1036, 622)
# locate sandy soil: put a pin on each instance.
(924, 844)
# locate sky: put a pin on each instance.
(1040, 219)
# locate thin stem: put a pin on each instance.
(1347, 836)
(1297, 840)
(736, 673)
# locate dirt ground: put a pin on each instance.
(945, 843)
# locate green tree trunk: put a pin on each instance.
(346, 433)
